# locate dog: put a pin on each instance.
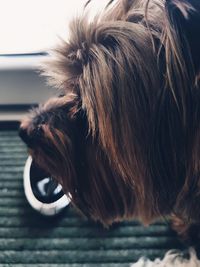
(124, 138)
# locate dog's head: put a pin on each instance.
(135, 70)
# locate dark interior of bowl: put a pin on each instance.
(44, 187)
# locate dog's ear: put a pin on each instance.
(181, 42)
(184, 25)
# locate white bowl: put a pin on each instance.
(47, 209)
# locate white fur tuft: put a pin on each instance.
(171, 259)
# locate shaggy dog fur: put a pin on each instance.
(124, 139)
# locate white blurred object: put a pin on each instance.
(30, 26)
(171, 259)
(46, 209)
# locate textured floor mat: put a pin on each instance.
(27, 239)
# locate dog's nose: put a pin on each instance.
(23, 134)
(30, 135)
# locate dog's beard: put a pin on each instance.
(58, 140)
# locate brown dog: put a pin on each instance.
(124, 139)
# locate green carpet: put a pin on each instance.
(27, 239)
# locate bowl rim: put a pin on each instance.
(47, 209)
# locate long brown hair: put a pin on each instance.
(135, 70)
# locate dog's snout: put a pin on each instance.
(31, 134)
(23, 134)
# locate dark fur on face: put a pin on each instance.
(124, 140)
(57, 136)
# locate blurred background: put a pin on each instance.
(28, 29)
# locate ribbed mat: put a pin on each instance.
(27, 239)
